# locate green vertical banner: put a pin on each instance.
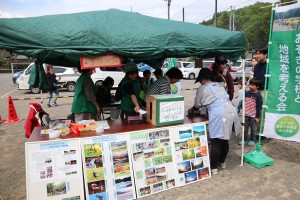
(283, 101)
(171, 62)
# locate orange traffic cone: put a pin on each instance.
(1, 120)
(12, 115)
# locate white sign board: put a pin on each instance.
(54, 170)
(171, 111)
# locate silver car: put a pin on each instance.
(237, 67)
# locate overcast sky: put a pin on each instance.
(195, 10)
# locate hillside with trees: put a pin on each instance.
(253, 20)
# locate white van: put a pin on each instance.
(68, 77)
(116, 73)
(187, 68)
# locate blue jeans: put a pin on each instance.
(239, 107)
(50, 93)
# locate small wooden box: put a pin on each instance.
(165, 109)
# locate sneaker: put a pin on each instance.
(223, 165)
(214, 171)
(251, 143)
(54, 104)
(241, 142)
(48, 105)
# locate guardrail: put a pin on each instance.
(46, 97)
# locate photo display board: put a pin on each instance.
(54, 170)
(191, 153)
(107, 168)
(153, 161)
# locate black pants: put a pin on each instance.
(250, 122)
(219, 151)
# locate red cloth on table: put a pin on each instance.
(34, 118)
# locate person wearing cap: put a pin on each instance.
(221, 116)
(222, 75)
(130, 90)
(162, 85)
(158, 74)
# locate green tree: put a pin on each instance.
(4, 58)
(253, 20)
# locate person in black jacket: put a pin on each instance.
(103, 94)
(260, 67)
(52, 82)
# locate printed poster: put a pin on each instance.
(54, 170)
(107, 168)
(283, 113)
(191, 153)
(153, 161)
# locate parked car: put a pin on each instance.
(237, 67)
(207, 63)
(143, 67)
(16, 76)
(188, 69)
(100, 74)
(68, 77)
(117, 73)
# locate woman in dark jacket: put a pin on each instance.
(222, 75)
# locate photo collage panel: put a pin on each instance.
(153, 161)
(123, 180)
(94, 170)
(191, 152)
(108, 167)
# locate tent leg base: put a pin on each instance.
(258, 159)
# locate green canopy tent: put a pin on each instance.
(62, 39)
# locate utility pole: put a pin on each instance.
(230, 18)
(216, 9)
(233, 19)
(169, 4)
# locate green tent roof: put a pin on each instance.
(62, 39)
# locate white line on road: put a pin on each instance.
(8, 93)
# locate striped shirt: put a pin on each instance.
(253, 104)
(160, 86)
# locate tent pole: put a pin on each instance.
(243, 111)
(41, 96)
(257, 158)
